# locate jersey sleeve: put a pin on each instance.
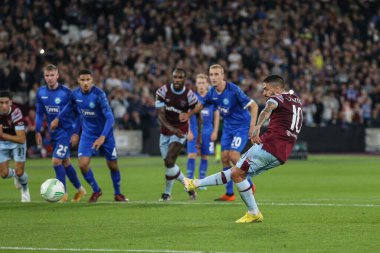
(18, 120)
(107, 112)
(160, 96)
(276, 100)
(39, 113)
(68, 109)
(192, 99)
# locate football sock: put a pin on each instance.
(171, 174)
(115, 175)
(89, 177)
(11, 173)
(250, 181)
(215, 179)
(203, 168)
(229, 185)
(23, 179)
(60, 174)
(72, 175)
(246, 194)
(190, 167)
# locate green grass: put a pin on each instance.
(325, 204)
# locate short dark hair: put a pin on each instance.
(5, 94)
(180, 70)
(275, 80)
(84, 72)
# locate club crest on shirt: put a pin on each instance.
(57, 101)
(92, 105)
(182, 103)
(225, 101)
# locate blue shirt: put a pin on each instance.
(51, 102)
(97, 117)
(208, 118)
(232, 104)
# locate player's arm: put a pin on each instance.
(18, 138)
(253, 110)
(200, 128)
(110, 120)
(183, 117)
(39, 119)
(165, 123)
(69, 107)
(74, 140)
(214, 134)
(263, 117)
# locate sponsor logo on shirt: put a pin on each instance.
(223, 110)
(78, 100)
(88, 113)
(52, 109)
(45, 97)
(172, 109)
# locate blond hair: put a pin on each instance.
(50, 67)
(217, 66)
(202, 76)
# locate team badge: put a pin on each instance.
(225, 101)
(183, 103)
(57, 101)
(92, 105)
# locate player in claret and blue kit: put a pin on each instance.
(271, 149)
(97, 131)
(50, 100)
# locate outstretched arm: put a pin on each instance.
(264, 116)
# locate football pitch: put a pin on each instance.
(328, 203)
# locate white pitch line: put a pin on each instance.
(107, 250)
(264, 203)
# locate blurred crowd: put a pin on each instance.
(328, 51)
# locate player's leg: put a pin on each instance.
(254, 162)
(191, 157)
(84, 154)
(73, 177)
(226, 141)
(19, 156)
(206, 150)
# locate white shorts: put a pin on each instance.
(256, 161)
(165, 141)
(10, 150)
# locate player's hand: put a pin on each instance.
(99, 142)
(183, 117)
(198, 143)
(54, 124)
(255, 137)
(38, 139)
(177, 132)
(74, 140)
(1, 130)
(214, 135)
(190, 135)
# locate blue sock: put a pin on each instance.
(203, 168)
(229, 185)
(60, 174)
(190, 167)
(89, 177)
(115, 175)
(72, 175)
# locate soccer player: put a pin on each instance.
(271, 149)
(232, 104)
(172, 100)
(13, 144)
(210, 115)
(50, 100)
(97, 131)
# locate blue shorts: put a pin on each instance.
(234, 139)
(207, 147)
(256, 161)
(166, 140)
(61, 148)
(10, 150)
(108, 149)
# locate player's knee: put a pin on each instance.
(112, 165)
(66, 162)
(192, 155)
(237, 175)
(4, 173)
(169, 163)
(56, 162)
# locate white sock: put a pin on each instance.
(170, 175)
(215, 179)
(246, 195)
(11, 173)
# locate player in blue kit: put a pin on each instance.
(239, 123)
(211, 119)
(50, 100)
(97, 131)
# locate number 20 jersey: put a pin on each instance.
(284, 125)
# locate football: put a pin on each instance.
(52, 190)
